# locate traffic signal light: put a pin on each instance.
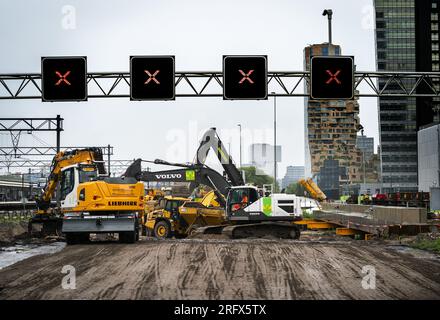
(244, 77)
(332, 77)
(64, 78)
(152, 78)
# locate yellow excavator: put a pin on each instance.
(313, 189)
(90, 202)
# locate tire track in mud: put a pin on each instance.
(248, 269)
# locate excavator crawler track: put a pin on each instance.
(277, 230)
(265, 229)
(208, 232)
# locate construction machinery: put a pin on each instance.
(174, 218)
(180, 216)
(242, 210)
(90, 202)
(250, 214)
(313, 189)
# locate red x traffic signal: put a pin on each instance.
(152, 78)
(245, 77)
(64, 78)
(332, 77)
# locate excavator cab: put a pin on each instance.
(245, 203)
(240, 198)
(71, 178)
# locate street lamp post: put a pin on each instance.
(274, 141)
(329, 14)
(239, 125)
(363, 164)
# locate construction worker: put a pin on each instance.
(244, 200)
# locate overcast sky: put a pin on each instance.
(198, 33)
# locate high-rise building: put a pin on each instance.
(429, 157)
(406, 40)
(427, 56)
(261, 156)
(330, 126)
(293, 174)
(329, 178)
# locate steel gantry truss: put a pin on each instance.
(31, 124)
(116, 167)
(15, 126)
(44, 151)
(32, 163)
(15, 157)
(210, 84)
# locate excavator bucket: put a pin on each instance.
(134, 169)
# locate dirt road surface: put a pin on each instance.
(216, 269)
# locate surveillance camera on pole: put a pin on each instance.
(329, 13)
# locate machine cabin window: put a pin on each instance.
(87, 174)
(67, 182)
(172, 206)
(243, 197)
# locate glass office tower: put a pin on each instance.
(406, 40)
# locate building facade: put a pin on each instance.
(366, 146)
(429, 157)
(406, 40)
(293, 174)
(330, 126)
(329, 179)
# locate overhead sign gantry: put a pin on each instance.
(242, 78)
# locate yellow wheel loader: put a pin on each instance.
(179, 216)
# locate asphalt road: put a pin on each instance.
(219, 269)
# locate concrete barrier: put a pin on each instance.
(382, 214)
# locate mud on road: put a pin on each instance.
(217, 269)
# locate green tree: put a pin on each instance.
(295, 188)
(257, 179)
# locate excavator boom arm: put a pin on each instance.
(211, 140)
(194, 174)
